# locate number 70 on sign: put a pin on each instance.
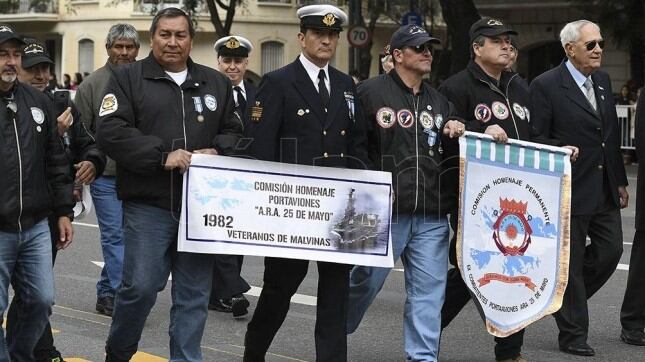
(358, 36)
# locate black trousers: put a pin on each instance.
(45, 347)
(632, 313)
(589, 268)
(281, 280)
(458, 295)
(227, 281)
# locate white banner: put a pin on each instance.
(513, 236)
(249, 207)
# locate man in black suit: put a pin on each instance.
(305, 114)
(228, 285)
(573, 104)
(632, 314)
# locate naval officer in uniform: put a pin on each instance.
(228, 285)
(305, 114)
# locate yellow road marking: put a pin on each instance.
(146, 357)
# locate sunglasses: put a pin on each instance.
(592, 44)
(421, 48)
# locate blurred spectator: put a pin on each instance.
(78, 79)
(67, 82)
(624, 98)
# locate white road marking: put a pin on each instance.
(255, 291)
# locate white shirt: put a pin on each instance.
(578, 77)
(313, 70)
(241, 85)
(178, 77)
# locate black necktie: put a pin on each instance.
(241, 102)
(322, 89)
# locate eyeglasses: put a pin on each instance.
(592, 44)
(422, 48)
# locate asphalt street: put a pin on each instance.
(80, 332)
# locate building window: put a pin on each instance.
(272, 56)
(85, 56)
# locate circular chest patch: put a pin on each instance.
(38, 115)
(405, 118)
(426, 120)
(528, 115)
(482, 112)
(385, 117)
(500, 111)
(211, 102)
(519, 111)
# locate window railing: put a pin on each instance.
(28, 6)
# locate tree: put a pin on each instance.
(194, 7)
(459, 15)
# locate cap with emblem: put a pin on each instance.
(6, 34)
(488, 27)
(34, 53)
(411, 36)
(233, 46)
(321, 17)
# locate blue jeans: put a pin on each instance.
(423, 248)
(27, 258)
(150, 255)
(109, 214)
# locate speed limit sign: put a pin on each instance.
(358, 36)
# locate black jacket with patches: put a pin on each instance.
(405, 132)
(145, 115)
(483, 103)
(35, 172)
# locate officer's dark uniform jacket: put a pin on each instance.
(35, 172)
(145, 115)
(405, 134)
(83, 145)
(482, 102)
(289, 123)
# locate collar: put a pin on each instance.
(397, 79)
(479, 73)
(241, 85)
(151, 69)
(578, 77)
(312, 69)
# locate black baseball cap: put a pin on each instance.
(34, 53)
(411, 35)
(489, 27)
(6, 34)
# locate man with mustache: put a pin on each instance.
(35, 183)
(154, 115)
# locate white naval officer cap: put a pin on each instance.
(233, 46)
(321, 17)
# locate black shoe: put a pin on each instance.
(581, 349)
(239, 306)
(54, 356)
(105, 305)
(221, 305)
(635, 337)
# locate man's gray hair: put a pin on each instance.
(122, 31)
(571, 32)
(386, 58)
